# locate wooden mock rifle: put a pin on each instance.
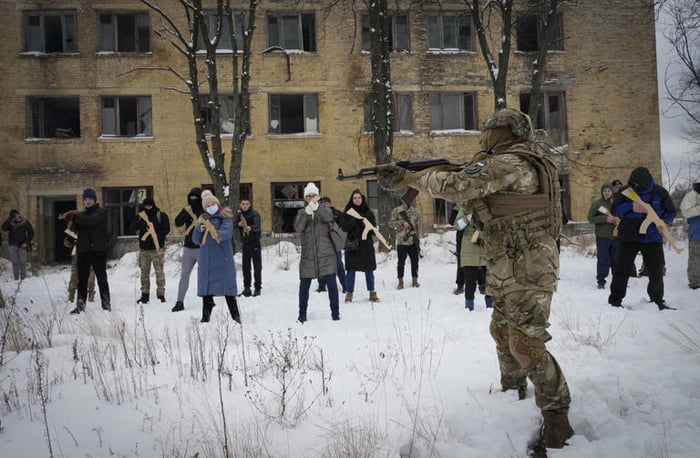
(209, 229)
(189, 211)
(151, 232)
(652, 217)
(368, 227)
(246, 228)
(75, 211)
(605, 211)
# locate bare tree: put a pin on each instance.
(202, 29)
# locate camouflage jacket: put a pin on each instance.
(405, 236)
(518, 230)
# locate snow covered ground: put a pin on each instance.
(414, 374)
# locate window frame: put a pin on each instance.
(121, 227)
(447, 115)
(399, 33)
(140, 39)
(309, 105)
(401, 100)
(305, 31)
(205, 111)
(142, 109)
(526, 40)
(546, 117)
(239, 23)
(470, 46)
(38, 121)
(69, 32)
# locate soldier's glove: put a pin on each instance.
(390, 175)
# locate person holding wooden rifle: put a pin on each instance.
(690, 206)
(248, 222)
(359, 251)
(405, 220)
(216, 268)
(634, 204)
(151, 226)
(606, 243)
(91, 227)
(186, 220)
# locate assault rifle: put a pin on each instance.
(411, 231)
(151, 231)
(209, 229)
(652, 217)
(368, 227)
(413, 166)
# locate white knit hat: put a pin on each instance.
(206, 193)
(311, 189)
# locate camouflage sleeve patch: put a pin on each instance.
(476, 167)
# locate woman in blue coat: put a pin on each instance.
(216, 271)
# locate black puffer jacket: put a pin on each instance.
(185, 220)
(91, 227)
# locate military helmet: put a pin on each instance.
(519, 123)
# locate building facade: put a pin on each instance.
(76, 113)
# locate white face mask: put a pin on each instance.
(212, 209)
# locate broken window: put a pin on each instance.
(292, 31)
(54, 117)
(398, 34)
(453, 110)
(293, 113)
(551, 116)
(124, 32)
(450, 32)
(287, 199)
(403, 112)
(50, 32)
(127, 116)
(527, 27)
(208, 32)
(122, 206)
(226, 114)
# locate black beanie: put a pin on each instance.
(640, 178)
(696, 187)
(149, 201)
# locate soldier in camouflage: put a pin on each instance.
(512, 191)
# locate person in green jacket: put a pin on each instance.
(606, 242)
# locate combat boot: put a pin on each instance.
(373, 296)
(143, 299)
(233, 309)
(555, 429)
(400, 285)
(80, 307)
(415, 282)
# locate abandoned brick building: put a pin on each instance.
(75, 116)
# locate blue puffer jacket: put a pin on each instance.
(628, 230)
(216, 271)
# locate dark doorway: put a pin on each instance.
(61, 252)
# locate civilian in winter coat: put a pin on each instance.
(336, 226)
(20, 235)
(606, 243)
(359, 253)
(408, 234)
(248, 222)
(473, 261)
(459, 280)
(151, 252)
(690, 206)
(216, 269)
(632, 242)
(91, 227)
(187, 219)
(317, 252)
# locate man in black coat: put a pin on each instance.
(248, 223)
(20, 235)
(91, 227)
(151, 226)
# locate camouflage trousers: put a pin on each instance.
(694, 263)
(146, 258)
(73, 283)
(519, 326)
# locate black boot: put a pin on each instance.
(106, 304)
(233, 308)
(207, 306)
(246, 292)
(144, 299)
(80, 307)
(179, 307)
(162, 298)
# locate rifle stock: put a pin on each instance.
(652, 217)
(368, 227)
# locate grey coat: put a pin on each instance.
(317, 252)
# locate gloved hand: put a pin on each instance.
(310, 208)
(390, 175)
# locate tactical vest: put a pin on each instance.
(541, 211)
